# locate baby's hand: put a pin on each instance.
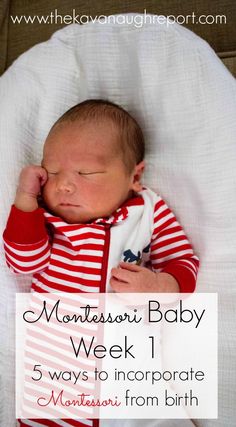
(31, 179)
(133, 278)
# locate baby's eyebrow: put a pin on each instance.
(43, 165)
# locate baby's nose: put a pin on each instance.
(65, 185)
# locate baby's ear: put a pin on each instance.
(137, 176)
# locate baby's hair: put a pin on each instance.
(131, 135)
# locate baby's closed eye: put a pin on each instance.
(52, 173)
(90, 173)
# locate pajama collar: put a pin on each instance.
(117, 217)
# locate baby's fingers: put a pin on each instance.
(118, 286)
(130, 267)
(121, 274)
(42, 175)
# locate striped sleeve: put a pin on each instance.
(171, 251)
(26, 242)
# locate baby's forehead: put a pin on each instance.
(104, 134)
(88, 141)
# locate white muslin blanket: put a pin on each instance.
(185, 100)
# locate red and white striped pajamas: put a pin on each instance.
(78, 257)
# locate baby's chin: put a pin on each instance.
(79, 214)
(73, 217)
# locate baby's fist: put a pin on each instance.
(32, 178)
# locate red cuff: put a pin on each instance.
(183, 275)
(25, 227)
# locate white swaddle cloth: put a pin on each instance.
(184, 98)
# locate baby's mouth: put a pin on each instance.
(68, 205)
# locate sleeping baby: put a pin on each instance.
(83, 221)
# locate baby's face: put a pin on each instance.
(87, 178)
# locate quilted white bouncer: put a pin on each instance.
(185, 100)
